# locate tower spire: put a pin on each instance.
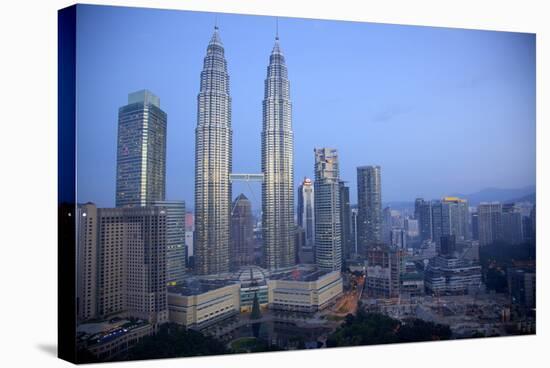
(277, 28)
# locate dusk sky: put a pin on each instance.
(440, 110)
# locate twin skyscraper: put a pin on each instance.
(213, 164)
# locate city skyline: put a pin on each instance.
(237, 277)
(97, 184)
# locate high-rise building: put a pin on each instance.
(242, 233)
(354, 239)
(176, 249)
(328, 227)
(459, 212)
(141, 151)
(345, 222)
(512, 224)
(369, 195)
(448, 245)
(87, 261)
(475, 226)
(423, 213)
(441, 220)
(387, 225)
(277, 165)
(489, 222)
(328, 246)
(213, 160)
(398, 238)
(411, 225)
(306, 210)
(126, 248)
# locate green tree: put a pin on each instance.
(375, 328)
(174, 341)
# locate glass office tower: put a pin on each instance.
(141, 151)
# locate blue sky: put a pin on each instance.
(441, 110)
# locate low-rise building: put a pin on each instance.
(197, 303)
(452, 276)
(412, 284)
(385, 264)
(304, 289)
(253, 281)
(106, 340)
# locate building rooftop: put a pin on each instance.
(195, 286)
(300, 274)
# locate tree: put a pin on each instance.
(174, 341)
(375, 328)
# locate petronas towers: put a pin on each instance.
(277, 165)
(213, 165)
(213, 159)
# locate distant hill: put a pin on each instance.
(528, 198)
(498, 195)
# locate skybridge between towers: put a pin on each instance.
(259, 178)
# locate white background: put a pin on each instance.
(28, 169)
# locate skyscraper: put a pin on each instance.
(242, 233)
(213, 160)
(141, 151)
(489, 218)
(398, 238)
(328, 228)
(277, 165)
(369, 195)
(459, 217)
(387, 225)
(423, 213)
(442, 220)
(345, 221)
(354, 240)
(512, 224)
(176, 250)
(306, 210)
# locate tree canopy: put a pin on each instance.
(374, 328)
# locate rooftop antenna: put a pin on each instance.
(277, 28)
(216, 21)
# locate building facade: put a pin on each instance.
(345, 223)
(197, 303)
(423, 213)
(489, 222)
(87, 262)
(242, 233)
(328, 227)
(384, 267)
(306, 212)
(277, 165)
(369, 196)
(176, 249)
(512, 224)
(213, 163)
(141, 151)
(447, 275)
(130, 261)
(304, 291)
